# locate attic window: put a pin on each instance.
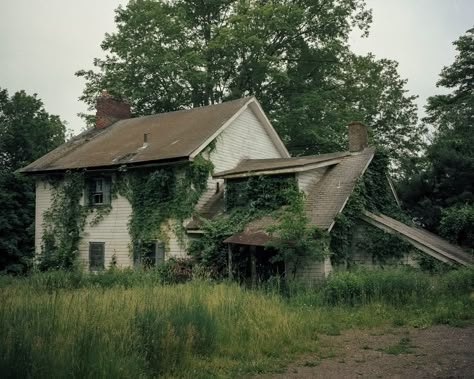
(99, 191)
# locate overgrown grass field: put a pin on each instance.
(128, 324)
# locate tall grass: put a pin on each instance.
(124, 325)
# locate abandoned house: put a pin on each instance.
(238, 140)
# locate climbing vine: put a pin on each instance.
(159, 195)
(372, 192)
(156, 196)
(247, 199)
(63, 223)
(294, 239)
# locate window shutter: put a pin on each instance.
(87, 193)
(160, 253)
(107, 189)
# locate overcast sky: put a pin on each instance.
(42, 44)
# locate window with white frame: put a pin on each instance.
(99, 190)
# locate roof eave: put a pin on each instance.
(275, 171)
(115, 167)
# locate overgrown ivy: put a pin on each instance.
(160, 195)
(156, 196)
(294, 239)
(63, 222)
(373, 193)
(248, 199)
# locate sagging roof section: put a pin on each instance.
(325, 201)
(254, 167)
(423, 240)
(169, 137)
(254, 233)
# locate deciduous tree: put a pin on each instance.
(27, 132)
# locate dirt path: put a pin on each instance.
(437, 352)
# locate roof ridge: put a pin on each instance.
(202, 107)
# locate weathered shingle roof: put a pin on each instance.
(428, 242)
(325, 201)
(254, 233)
(250, 167)
(170, 136)
(328, 196)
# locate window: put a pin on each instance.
(150, 254)
(99, 190)
(96, 256)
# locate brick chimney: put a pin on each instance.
(358, 139)
(110, 110)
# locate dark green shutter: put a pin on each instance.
(160, 253)
(87, 193)
(107, 187)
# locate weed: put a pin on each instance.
(313, 363)
(129, 324)
(403, 347)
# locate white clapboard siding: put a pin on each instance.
(43, 202)
(311, 272)
(245, 138)
(113, 231)
(307, 179)
(174, 247)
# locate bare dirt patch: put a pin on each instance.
(436, 352)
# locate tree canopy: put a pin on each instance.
(441, 190)
(27, 132)
(293, 55)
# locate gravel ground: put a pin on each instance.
(436, 352)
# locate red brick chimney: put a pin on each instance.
(358, 139)
(110, 110)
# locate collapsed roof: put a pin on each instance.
(326, 199)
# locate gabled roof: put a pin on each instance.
(253, 167)
(172, 136)
(329, 196)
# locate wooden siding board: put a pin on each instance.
(307, 179)
(113, 231)
(43, 202)
(245, 138)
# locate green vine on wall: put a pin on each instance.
(372, 192)
(155, 196)
(160, 195)
(247, 199)
(63, 223)
(294, 239)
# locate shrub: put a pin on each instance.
(398, 286)
(457, 282)
(175, 271)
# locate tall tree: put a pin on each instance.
(27, 132)
(442, 192)
(292, 54)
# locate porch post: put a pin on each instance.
(229, 261)
(253, 265)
